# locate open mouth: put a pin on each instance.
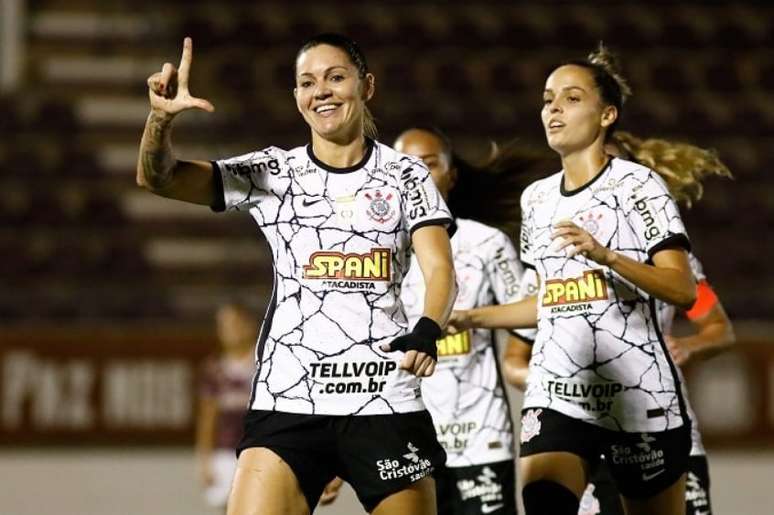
(555, 125)
(326, 110)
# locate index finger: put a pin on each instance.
(185, 63)
(565, 223)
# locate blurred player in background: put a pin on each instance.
(337, 390)
(606, 240)
(223, 396)
(465, 395)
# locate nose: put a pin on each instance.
(554, 107)
(322, 91)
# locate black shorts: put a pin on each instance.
(643, 464)
(477, 489)
(377, 454)
(601, 496)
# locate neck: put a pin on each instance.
(582, 166)
(239, 353)
(339, 153)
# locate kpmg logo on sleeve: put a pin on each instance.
(246, 168)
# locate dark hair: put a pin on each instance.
(342, 42)
(606, 72)
(490, 192)
(356, 56)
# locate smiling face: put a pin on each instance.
(574, 115)
(329, 93)
(430, 149)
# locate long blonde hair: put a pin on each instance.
(681, 165)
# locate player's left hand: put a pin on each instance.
(420, 348)
(680, 352)
(580, 242)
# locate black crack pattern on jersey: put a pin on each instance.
(465, 395)
(335, 321)
(612, 341)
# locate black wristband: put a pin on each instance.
(427, 328)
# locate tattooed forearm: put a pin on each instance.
(156, 160)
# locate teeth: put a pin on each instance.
(325, 108)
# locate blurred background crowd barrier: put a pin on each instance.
(107, 292)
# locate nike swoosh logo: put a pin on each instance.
(307, 202)
(487, 508)
(648, 477)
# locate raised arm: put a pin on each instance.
(158, 170)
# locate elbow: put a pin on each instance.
(686, 297)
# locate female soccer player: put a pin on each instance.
(341, 216)
(606, 240)
(465, 395)
(224, 392)
(683, 167)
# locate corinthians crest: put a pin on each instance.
(380, 209)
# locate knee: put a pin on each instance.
(545, 497)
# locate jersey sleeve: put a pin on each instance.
(504, 269)
(654, 216)
(243, 181)
(696, 268)
(422, 203)
(525, 239)
(528, 286)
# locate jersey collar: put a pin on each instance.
(569, 193)
(349, 169)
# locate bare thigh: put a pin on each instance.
(565, 468)
(264, 484)
(416, 499)
(667, 502)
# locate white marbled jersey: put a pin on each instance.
(599, 355)
(667, 313)
(465, 395)
(340, 241)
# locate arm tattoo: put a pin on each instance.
(156, 157)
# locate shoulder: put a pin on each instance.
(632, 177)
(477, 233)
(485, 241)
(537, 192)
(397, 163)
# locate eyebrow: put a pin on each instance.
(326, 72)
(564, 89)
